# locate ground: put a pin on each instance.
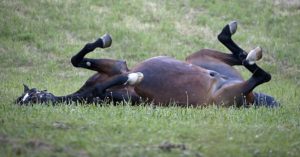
(38, 38)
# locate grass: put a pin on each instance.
(38, 38)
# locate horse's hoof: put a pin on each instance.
(254, 55)
(232, 27)
(106, 40)
(135, 78)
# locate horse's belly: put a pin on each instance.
(167, 80)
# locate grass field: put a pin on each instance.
(38, 38)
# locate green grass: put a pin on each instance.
(38, 38)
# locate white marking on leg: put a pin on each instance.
(135, 78)
(25, 97)
(88, 64)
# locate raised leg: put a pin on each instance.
(107, 66)
(248, 61)
(225, 38)
(240, 93)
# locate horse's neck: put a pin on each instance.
(75, 97)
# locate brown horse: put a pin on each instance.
(205, 77)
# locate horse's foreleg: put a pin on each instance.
(103, 42)
(103, 90)
(108, 66)
(100, 89)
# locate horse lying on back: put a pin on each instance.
(204, 78)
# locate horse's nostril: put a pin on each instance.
(212, 74)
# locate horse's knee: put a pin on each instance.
(264, 76)
(75, 62)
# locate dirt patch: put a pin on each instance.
(3, 139)
(182, 148)
(168, 146)
(61, 125)
(186, 28)
(288, 3)
(72, 38)
(37, 144)
(193, 13)
(99, 9)
(31, 146)
(136, 25)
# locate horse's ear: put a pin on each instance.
(26, 88)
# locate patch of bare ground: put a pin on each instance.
(135, 25)
(35, 145)
(186, 25)
(19, 9)
(2, 50)
(287, 7)
(151, 7)
(287, 3)
(156, 10)
(184, 28)
(168, 146)
(61, 125)
(290, 71)
(72, 38)
(99, 9)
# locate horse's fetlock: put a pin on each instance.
(74, 62)
(268, 77)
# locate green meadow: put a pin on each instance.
(38, 38)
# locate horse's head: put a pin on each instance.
(33, 96)
(262, 99)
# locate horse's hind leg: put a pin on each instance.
(259, 76)
(225, 38)
(239, 93)
(206, 56)
(107, 66)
